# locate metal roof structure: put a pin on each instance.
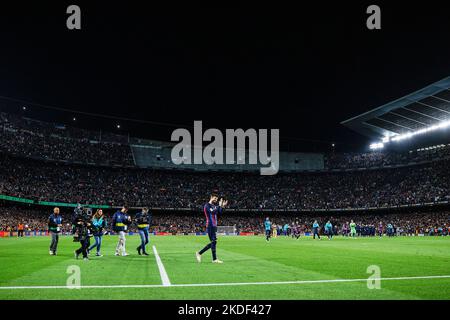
(419, 110)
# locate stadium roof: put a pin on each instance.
(422, 109)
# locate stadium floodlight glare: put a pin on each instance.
(375, 146)
(442, 125)
(400, 137)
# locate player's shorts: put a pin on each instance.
(122, 235)
(212, 233)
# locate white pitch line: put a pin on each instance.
(223, 284)
(162, 271)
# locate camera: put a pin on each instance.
(81, 219)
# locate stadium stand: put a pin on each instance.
(46, 181)
(378, 159)
(434, 223)
(45, 162)
(40, 140)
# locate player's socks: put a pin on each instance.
(198, 256)
(139, 250)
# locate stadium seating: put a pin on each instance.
(99, 168)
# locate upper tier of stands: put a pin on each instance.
(35, 139)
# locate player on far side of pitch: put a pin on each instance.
(267, 227)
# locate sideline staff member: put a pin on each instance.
(54, 227)
(143, 220)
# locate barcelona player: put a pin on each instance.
(211, 210)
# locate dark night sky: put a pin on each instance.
(301, 69)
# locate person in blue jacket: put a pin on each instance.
(98, 227)
(316, 230)
(267, 227)
(329, 230)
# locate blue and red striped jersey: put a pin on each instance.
(211, 211)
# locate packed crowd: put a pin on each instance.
(56, 182)
(34, 139)
(408, 223)
(33, 219)
(385, 159)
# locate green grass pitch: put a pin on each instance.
(25, 263)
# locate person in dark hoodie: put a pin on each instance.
(84, 226)
(143, 220)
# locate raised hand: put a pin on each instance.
(224, 203)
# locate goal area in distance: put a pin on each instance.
(226, 230)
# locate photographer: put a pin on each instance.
(77, 213)
(83, 230)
